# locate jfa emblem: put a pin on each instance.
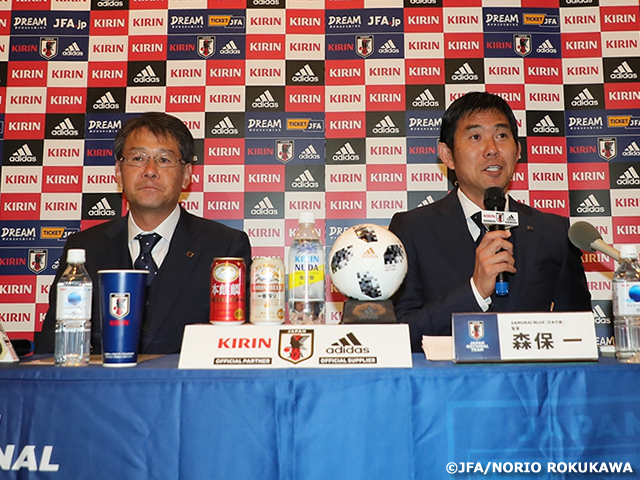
(476, 330)
(206, 46)
(284, 150)
(607, 148)
(119, 304)
(522, 44)
(364, 45)
(37, 260)
(295, 345)
(48, 47)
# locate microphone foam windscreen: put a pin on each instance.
(494, 199)
(583, 234)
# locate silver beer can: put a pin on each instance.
(267, 291)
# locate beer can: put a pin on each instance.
(228, 276)
(267, 291)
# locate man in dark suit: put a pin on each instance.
(154, 154)
(447, 271)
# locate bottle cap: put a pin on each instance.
(307, 217)
(76, 255)
(628, 251)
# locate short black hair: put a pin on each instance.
(470, 103)
(162, 126)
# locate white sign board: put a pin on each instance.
(296, 346)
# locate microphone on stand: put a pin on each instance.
(585, 236)
(494, 200)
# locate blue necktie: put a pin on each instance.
(145, 260)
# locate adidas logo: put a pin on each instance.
(464, 73)
(305, 75)
(225, 127)
(632, 150)
(630, 177)
(546, 47)
(309, 153)
(546, 125)
(584, 99)
(386, 125)
(348, 344)
(389, 47)
(346, 153)
(425, 99)
(106, 102)
(146, 75)
(23, 155)
(623, 72)
(369, 253)
(590, 205)
(72, 50)
(599, 316)
(427, 201)
(102, 209)
(265, 100)
(230, 49)
(264, 207)
(305, 180)
(65, 129)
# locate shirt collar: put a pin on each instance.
(165, 229)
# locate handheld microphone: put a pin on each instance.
(585, 236)
(494, 200)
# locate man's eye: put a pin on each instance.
(138, 158)
(165, 160)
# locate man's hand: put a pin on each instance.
(493, 255)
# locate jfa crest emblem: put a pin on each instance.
(37, 260)
(206, 46)
(364, 45)
(295, 345)
(119, 304)
(522, 44)
(284, 150)
(476, 330)
(48, 47)
(607, 148)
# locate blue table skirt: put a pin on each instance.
(157, 422)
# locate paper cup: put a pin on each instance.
(122, 295)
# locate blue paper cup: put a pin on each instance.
(122, 294)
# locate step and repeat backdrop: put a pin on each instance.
(332, 106)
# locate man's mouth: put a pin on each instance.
(493, 168)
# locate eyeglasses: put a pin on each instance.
(163, 160)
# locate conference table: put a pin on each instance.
(155, 421)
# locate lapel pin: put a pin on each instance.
(190, 254)
(529, 228)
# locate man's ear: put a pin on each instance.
(444, 153)
(186, 175)
(119, 173)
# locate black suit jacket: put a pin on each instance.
(182, 294)
(441, 256)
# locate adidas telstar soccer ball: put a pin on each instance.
(367, 262)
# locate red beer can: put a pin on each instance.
(228, 276)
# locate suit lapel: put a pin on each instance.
(116, 236)
(450, 226)
(176, 268)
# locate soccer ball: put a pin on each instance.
(367, 262)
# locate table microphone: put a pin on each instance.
(494, 200)
(585, 236)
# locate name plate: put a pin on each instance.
(296, 346)
(524, 337)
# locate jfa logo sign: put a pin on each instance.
(295, 345)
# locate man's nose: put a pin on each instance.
(151, 169)
(490, 147)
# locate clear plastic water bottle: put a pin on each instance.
(626, 306)
(73, 313)
(306, 274)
